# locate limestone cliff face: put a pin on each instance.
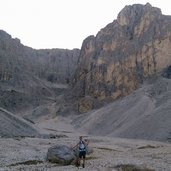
(57, 65)
(114, 62)
(26, 74)
(54, 65)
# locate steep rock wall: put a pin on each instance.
(114, 62)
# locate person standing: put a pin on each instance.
(82, 147)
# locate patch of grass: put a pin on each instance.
(28, 162)
(53, 136)
(129, 167)
(20, 137)
(50, 129)
(147, 146)
(105, 148)
(91, 158)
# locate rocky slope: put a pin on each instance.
(116, 61)
(13, 126)
(144, 114)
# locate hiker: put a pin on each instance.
(82, 146)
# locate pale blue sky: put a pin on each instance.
(62, 23)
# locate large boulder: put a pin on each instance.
(61, 154)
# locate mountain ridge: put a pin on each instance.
(126, 64)
(115, 62)
(28, 76)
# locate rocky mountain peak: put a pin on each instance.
(4, 35)
(132, 14)
(125, 52)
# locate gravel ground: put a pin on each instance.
(29, 154)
